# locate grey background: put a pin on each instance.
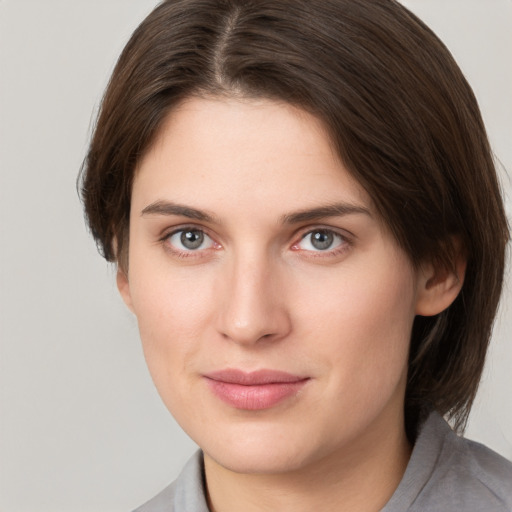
(81, 426)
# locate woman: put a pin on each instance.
(304, 211)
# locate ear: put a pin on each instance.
(123, 285)
(438, 286)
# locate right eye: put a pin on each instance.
(189, 240)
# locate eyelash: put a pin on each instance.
(345, 243)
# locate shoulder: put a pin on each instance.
(162, 502)
(486, 472)
(450, 473)
(185, 494)
(467, 475)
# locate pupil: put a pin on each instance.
(192, 239)
(322, 240)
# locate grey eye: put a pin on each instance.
(322, 240)
(192, 239)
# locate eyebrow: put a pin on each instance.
(333, 210)
(307, 215)
(169, 208)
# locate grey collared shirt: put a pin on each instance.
(446, 473)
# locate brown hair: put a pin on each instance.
(400, 113)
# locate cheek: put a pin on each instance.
(172, 314)
(168, 302)
(362, 326)
(382, 310)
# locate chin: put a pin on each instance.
(258, 460)
(261, 449)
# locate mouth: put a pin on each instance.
(254, 391)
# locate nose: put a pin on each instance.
(251, 304)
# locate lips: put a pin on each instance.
(253, 391)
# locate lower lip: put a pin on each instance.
(255, 397)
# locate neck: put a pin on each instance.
(362, 477)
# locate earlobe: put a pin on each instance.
(439, 287)
(123, 286)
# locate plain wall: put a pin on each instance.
(81, 426)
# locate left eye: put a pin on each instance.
(320, 240)
(190, 240)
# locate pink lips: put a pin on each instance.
(255, 390)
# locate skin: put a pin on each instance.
(258, 294)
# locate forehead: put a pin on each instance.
(244, 152)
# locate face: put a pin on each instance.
(275, 309)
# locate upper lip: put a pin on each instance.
(259, 377)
